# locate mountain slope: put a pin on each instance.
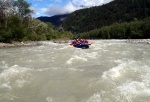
(55, 20)
(116, 11)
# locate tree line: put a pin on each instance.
(119, 19)
(137, 29)
(17, 24)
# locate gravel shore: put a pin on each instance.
(144, 41)
(35, 43)
(16, 44)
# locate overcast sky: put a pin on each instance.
(55, 7)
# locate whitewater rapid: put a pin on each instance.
(109, 71)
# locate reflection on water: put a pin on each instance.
(109, 71)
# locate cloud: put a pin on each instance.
(89, 3)
(37, 12)
(56, 9)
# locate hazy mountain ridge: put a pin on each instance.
(55, 20)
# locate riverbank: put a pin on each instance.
(144, 41)
(28, 43)
(36, 43)
(17, 44)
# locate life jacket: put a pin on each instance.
(73, 42)
(86, 41)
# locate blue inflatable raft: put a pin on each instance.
(82, 45)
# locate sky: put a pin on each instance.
(56, 7)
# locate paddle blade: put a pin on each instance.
(92, 43)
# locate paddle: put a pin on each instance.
(91, 43)
(71, 44)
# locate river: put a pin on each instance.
(109, 71)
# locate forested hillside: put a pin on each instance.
(17, 24)
(118, 19)
(137, 29)
(116, 11)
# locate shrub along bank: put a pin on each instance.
(127, 30)
(19, 25)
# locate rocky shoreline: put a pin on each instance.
(144, 41)
(36, 43)
(19, 44)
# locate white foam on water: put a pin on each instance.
(92, 55)
(7, 96)
(74, 69)
(115, 72)
(14, 70)
(20, 82)
(48, 43)
(130, 79)
(13, 76)
(76, 58)
(43, 69)
(97, 48)
(3, 62)
(6, 85)
(146, 78)
(65, 47)
(4, 65)
(125, 66)
(118, 61)
(50, 99)
(132, 89)
(95, 98)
